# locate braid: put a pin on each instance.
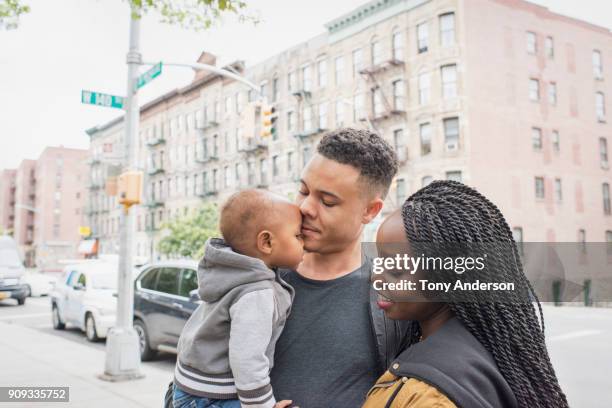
(451, 212)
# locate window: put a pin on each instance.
(323, 115)
(558, 190)
(447, 29)
(226, 142)
(597, 65)
(532, 42)
(536, 138)
(376, 50)
(556, 141)
(275, 166)
(377, 102)
(290, 121)
(237, 171)
(424, 86)
(263, 88)
(217, 111)
(306, 155)
(189, 282)
(549, 47)
(251, 173)
(339, 113)
(426, 180)
(275, 90)
(339, 69)
(239, 98)
(397, 46)
(291, 82)
(322, 68)
(290, 162)
(226, 177)
(534, 89)
(398, 141)
(600, 106)
(307, 118)
(398, 95)
(451, 130)
(603, 150)
(449, 81)
(539, 187)
(358, 107)
(307, 78)
(453, 176)
(425, 136)
(263, 171)
(228, 105)
(605, 190)
(195, 184)
(517, 235)
(400, 191)
(422, 37)
(357, 62)
(149, 280)
(168, 280)
(552, 93)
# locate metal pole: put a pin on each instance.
(122, 346)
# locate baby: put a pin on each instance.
(226, 350)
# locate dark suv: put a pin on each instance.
(165, 295)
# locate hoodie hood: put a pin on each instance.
(221, 270)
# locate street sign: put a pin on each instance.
(100, 99)
(150, 75)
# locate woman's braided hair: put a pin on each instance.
(448, 211)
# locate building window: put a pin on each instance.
(251, 173)
(605, 190)
(603, 150)
(377, 102)
(398, 95)
(217, 111)
(226, 177)
(534, 89)
(307, 78)
(600, 106)
(239, 99)
(357, 62)
(424, 87)
(400, 191)
(453, 176)
(237, 171)
(215, 179)
(376, 50)
(228, 105)
(339, 69)
(532, 42)
(449, 81)
(558, 190)
(549, 47)
(307, 118)
(517, 235)
(290, 162)
(451, 130)
(306, 155)
(358, 107)
(398, 143)
(322, 71)
(597, 65)
(422, 37)
(290, 121)
(323, 115)
(539, 187)
(425, 136)
(291, 81)
(552, 93)
(536, 138)
(275, 90)
(275, 166)
(556, 141)
(447, 29)
(425, 181)
(397, 46)
(339, 113)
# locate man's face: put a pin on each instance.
(333, 204)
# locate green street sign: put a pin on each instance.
(150, 75)
(101, 99)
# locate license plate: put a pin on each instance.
(4, 295)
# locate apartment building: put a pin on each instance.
(502, 95)
(7, 201)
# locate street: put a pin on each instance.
(579, 341)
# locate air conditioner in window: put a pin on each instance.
(605, 165)
(452, 146)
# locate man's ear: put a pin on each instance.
(372, 210)
(264, 242)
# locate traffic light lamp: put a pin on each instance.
(268, 120)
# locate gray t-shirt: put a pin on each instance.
(326, 356)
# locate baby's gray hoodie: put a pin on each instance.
(226, 349)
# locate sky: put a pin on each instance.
(64, 46)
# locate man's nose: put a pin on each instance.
(307, 208)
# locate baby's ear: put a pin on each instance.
(264, 242)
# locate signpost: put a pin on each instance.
(150, 75)
(101, 99)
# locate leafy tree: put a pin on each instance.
(185, 237)
(10, 10)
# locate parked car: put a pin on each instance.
(11, 271)
(38, 284)
(165, 296)
(85, 297)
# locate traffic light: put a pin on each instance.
(268, 120)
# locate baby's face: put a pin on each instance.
(289, 244)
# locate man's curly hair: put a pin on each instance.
(364, 150)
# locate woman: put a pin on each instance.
(471, 350)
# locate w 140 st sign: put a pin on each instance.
(101, 99)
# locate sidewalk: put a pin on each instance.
(32, 358)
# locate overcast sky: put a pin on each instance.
(64, 46)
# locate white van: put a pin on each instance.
(11, 271)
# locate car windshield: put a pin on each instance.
(9, 257)
(104, 280)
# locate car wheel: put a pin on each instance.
(28, 291)
(146, 352)
(90, 328)
(57, 322)
(21, 301)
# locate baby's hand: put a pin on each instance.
(283, 404)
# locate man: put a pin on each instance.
(336, 341)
